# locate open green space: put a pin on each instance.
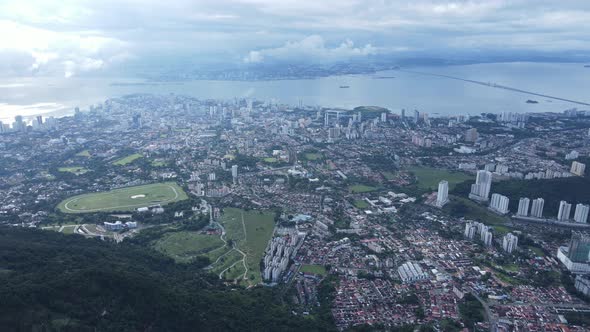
(313, 269)
(463, 207)
(428, 177)
(158, 163)
(361, 188)
(388, 175)
(84, 153)
(536, 250)
(124, 199)
(312, 156)
(270, 160)
(78, 170)
(185, 246)
(250, 232)
(360, 204)
(510, 267)
(128, 159)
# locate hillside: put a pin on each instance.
(50, 281)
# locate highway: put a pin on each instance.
(494, 85)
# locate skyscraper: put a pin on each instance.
(442, 196)
(564, 211)
(581, 214)
(537, 208)
(480, 190)
(509, 242)
(576, 256)
(416, 116)
(471, 135)
(499, 203)
(470, 230)
(234, 173)
(523, 207)
(578, 168)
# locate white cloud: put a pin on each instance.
(311, 47)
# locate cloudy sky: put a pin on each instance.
(73, 37)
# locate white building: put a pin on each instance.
(442, 196)
(564, 211)
(410, 272)
(523, 207)
(499, 203)
(578, 168)
(510, 242)
(537, 208)
(470, 230)
(113, 226)
(572, 155)
(581, 214)
(480, 190)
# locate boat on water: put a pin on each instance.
(344, 86)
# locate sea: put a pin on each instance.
(415, 88)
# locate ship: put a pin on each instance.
(344, 87)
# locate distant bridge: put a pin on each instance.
(494, 85)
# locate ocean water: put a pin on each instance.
(395, 90)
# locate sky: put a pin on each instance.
(77, 37)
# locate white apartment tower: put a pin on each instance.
(442, 196)
(565, 209)
(499, 203)
(523, 207)
(509, 242)
(480, 190)
(537, 208)
(581, 214)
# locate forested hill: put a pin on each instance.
(55, 282)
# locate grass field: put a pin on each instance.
(250, 231)
(124, 199)
(185, 246)
(127, 160)
(84, 153)
(78, 170)
(312, 156)
(360, 204)
(463, 207)
(270, 160)
(388, 175)
(158, 163)
(428, 178)
(314, 269)
(361, 188)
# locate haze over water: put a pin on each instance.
(434, 95)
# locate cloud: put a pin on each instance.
(310, 48)
(69, 37)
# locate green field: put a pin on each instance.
(388, 175)
(314, 269)
(84, 153)
(361, 188)
(428, 178)
(463, 207)
(127, 160)
(185, 246)
(78, 170)
(158, 163)
(250, 231)
(312, 156)
(124, 199)
(270, 160)
(361, 204)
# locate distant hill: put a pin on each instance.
(55, 282)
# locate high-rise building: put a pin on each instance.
(510, 242)
(234, 173)
(490, 167)
(565, 209)
(581, 214)
(471, 135)
(499, 203)
(523, 207)
(442, 196)
(383, 117)
(403, 115)
(576, 256)
(416, 116)
(578, 168)
(486, 236)
(470, 230)
(480, 190)
(537, 208)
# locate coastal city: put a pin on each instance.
(375, 217)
